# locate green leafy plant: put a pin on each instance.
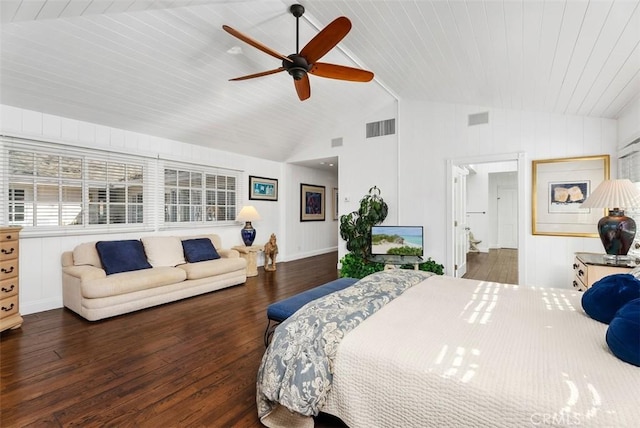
(354, 266)
(355, 227)
(428, 265)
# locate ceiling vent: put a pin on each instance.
(336, 142)
(479, 118)
(384, 127)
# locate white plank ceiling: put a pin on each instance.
(161, 67)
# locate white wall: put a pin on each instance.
(629, 124)
(481, 202)
(433, 132)
(309, 238)
(363, 162)
(40, 270)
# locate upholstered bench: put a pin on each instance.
(280, 311)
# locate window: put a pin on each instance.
(57, 187)
(51, 188)
(196, 194)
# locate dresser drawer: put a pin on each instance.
(8, 250)
(7, 234)
(8, 269)
(8, 287)
(581, 272)
(8, 306)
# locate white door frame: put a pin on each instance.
(450, 238)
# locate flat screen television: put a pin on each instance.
(397, 241)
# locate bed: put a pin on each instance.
(405, 348)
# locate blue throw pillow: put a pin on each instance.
(605, 297)
(122, 256)
(623, 334)
(199, 250)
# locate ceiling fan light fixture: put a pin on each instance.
(297, 72)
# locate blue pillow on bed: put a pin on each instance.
(122, 256)
(623, 334)
(607, 296)
(199, 250)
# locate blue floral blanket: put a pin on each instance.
(297, 368)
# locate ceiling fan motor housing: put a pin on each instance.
(298, 66)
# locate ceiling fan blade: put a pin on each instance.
(256, 44)
(303, 87)
(340, 72)
(264, 73)
(326, 39)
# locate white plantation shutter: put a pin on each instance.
(52, 188)
(197, 194)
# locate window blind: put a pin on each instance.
(53, 188)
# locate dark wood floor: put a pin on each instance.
(498, 265)
(191, 363)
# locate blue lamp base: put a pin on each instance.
(248, 234)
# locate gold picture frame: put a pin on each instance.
(559, 187)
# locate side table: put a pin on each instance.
(589, 268)
(250, 254)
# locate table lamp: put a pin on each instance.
(616, 230)
(248, 214)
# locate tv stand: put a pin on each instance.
(394, 261)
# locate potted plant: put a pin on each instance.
(355, 229)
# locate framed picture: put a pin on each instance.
(335, 203)
(264, 189)
(312, 202)
(559, 187)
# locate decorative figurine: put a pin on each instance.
(270, 252)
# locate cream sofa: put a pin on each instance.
(91, 293)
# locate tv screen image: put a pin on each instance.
(396, 240)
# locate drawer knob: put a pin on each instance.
(7, 270)
(9, 308)
(9, 251)
(575, 265)
(6, 290)
(580, 272)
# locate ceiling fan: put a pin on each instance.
(299, 64)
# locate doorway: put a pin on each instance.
(500, 220)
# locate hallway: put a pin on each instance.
(498, 265)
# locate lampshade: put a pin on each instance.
(616, 230)
(248, 213)
(620, 193)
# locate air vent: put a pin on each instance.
(384, 127)
(336, 142)
(479, 118)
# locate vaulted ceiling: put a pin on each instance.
(162, 67)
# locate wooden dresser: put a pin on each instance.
(589, 268)
(9, 287)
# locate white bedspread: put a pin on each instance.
(465, 353)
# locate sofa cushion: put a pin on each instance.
(199, 250)
(86, 254)
(283, 309)
(122, 256)
(127, 282)
(213, 267)
(163, 250)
